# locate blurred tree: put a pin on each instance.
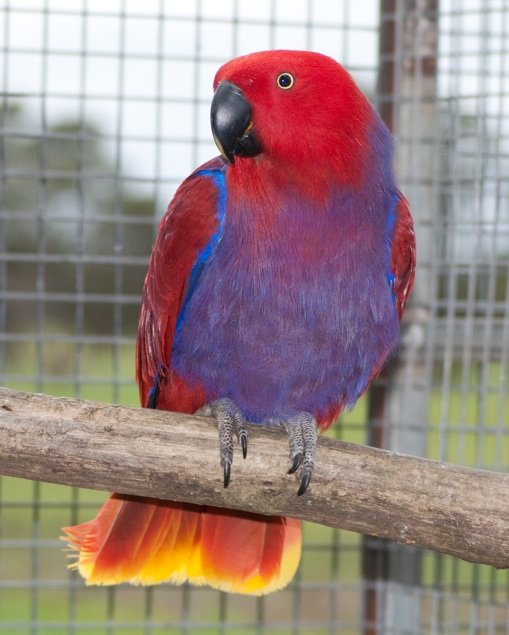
(67, 218)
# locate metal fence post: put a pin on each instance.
(398, 407)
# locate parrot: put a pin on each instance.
(273, 296)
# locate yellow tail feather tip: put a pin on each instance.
(182, 560)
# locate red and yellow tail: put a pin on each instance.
(146, 541)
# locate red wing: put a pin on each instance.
(403, 255)
(185, 230)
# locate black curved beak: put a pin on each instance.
(232, 127)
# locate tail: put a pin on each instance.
(147, 541)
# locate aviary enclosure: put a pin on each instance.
(103, 111)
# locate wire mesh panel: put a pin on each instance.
(445, 88)
(104, 110)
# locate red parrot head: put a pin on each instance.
(291, 107)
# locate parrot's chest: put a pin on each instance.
(296, 320)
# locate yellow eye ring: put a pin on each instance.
(285, 81)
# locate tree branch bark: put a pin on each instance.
(455, 510)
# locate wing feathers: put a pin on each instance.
(403, 255)
(185, 241)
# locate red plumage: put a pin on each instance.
(403, 255)
(184, 231)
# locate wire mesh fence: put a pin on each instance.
(104, 110)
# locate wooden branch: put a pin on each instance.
(451, 509)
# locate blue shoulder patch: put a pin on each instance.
(391, 222)
(218, 178)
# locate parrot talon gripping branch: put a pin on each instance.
(229, 421)
(301, 431)
(274, 293)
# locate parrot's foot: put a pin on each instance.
(301, 431)
(229, 421)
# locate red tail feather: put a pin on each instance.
(148, 541)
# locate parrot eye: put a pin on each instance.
(285, 81)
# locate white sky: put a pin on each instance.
(139, 80)
(147, 82)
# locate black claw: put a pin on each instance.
(304, 483)
(227, 473)
(243, 443)
(297, 460)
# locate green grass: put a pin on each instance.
(38, 511)
(33, 511)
